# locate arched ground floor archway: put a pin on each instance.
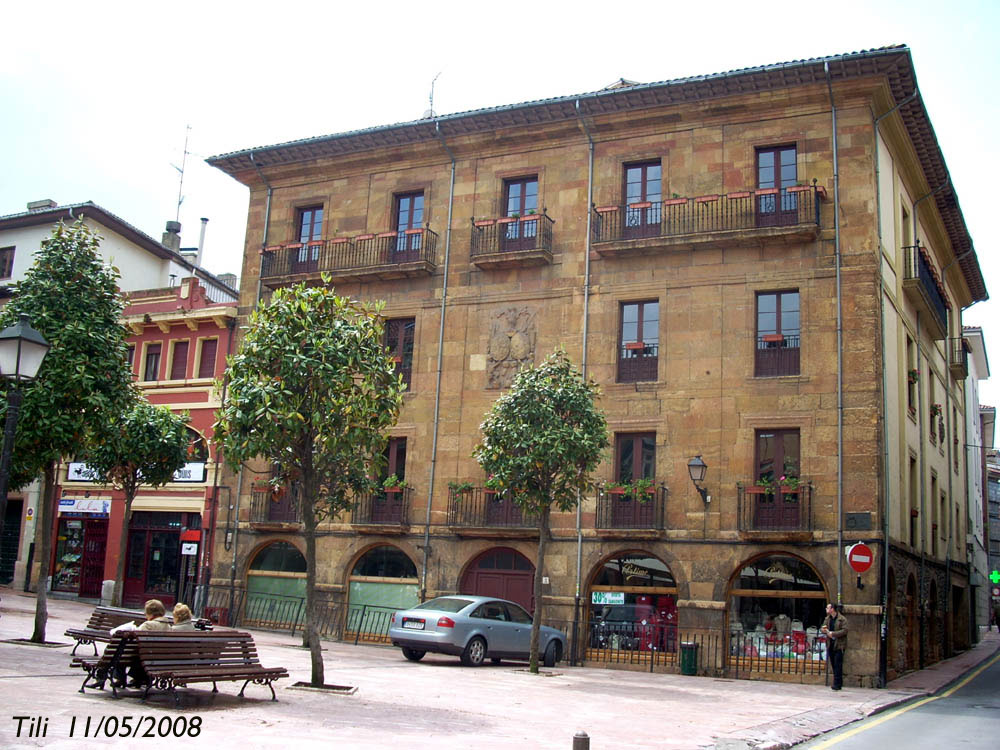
(776, 606)
(632, 612)
(275, 588)
(383, 579)
(501, 572)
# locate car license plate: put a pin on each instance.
(413, 624)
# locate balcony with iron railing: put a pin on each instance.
(923, 286)
(384, 508)
(483, 508)
(274, 508)
(387, 255)
(776, 355)
(775, 507)
(638, 361)
(622, 508)
(512, 241)
(958, 358)
(708, 220)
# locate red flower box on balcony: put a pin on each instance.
(339, 240)
(414, 231)
(644, 204)
(675, 201)
(635, 345)
(772, 338)
(483, 223)
(798, 188)
(766, 191)
(736, 196)
(362, 237)
(706, 199)
(606, 209)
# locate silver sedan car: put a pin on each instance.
(474, 628)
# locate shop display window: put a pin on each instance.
(776, 607)
(633, 604)
(69, 555)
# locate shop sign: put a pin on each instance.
(192, 472)
(189, 548)
(84, 505)
(607, 597)
(80, 472)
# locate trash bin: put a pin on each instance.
(689, 658)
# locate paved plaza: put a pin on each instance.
(436, 703)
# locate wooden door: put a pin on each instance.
(95, 543)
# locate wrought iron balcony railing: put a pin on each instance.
(268, 506)
(766, 208)
(775, 508)
(512, 235)
(347, 254)
(622, 509)
(637, 362)
(776, 355)
(926, 290)
(958, 358)
(481, 507)
(385, 507)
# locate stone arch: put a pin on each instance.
(501, 572)
(632, 598)
(275, 585)
(381, 579)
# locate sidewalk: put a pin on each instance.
(437, 703)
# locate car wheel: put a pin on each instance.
(475, 652)
(413, 654)
(553, 653)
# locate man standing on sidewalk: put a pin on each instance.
(835, 627)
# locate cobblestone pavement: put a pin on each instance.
(433, 704)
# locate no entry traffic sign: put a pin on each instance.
(860, 557)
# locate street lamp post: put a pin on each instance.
(22, 350)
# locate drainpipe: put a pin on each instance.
(440, 357)
(886, 504)
(840, 347)
(583, 365)
(267, 221)
(206, 555)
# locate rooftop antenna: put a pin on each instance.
(430, 112)
(180, 169)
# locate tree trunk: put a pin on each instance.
(116, 594)
(309, 528)
(47, 499)
(536, 619)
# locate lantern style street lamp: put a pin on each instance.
(697, 469)
(22, 350)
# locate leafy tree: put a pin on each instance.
(144, 446)
(72, 298)
(312, 390)
(541, 441)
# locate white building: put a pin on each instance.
(142, 263)
(976, 428)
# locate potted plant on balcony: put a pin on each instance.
(459, 490)
(935, 411)
(393, 484)
(913, 376)
(642, 489)
(615, 488)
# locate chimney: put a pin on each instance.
(229, 279)
(172, 237)
(42, 205)
(201, 240)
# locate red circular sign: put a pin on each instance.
(860, 557)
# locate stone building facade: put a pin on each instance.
(744, 286)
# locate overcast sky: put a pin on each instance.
(96, 98)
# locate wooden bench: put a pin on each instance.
(180, 658)
(110, 666)
(103, 619)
